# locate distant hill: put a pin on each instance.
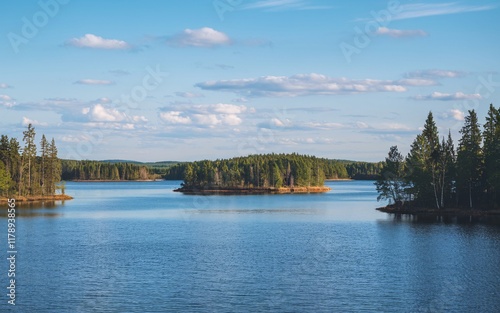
(160, 163)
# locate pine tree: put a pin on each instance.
(54, 167)
(29, 158)
(44, 166)
(469, 161)
(491, 147)
(423, 161)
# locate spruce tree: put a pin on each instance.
(469, 162)
(491, 147)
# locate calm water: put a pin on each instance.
(139, 247)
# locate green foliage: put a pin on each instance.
(5, 180)
(423, 165)
(491, 150)
(28, 173)
(269, 170)
(437, 175)
(98, 170)
(391, 184)
(470, 161)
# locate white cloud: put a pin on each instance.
(138, 119)
(97, 42)
(435, 73)
(4, 86)
(231, 119)
(361, 125)
(207, 119)
(26, 121)
(282, 5)
(205, 115)
(71, 138)
(448, 97)
(457, 114)
(417, 82)
(324, 126)
(94, 82)
(305, 84)
(175, 117)
(7, 101)
(203, 37)
(188, 95)
(276, 122)
(228, 108)
(100, 114)
(416, 10)
(397, 33)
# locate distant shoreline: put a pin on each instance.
(251, 191)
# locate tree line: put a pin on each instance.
(98, 170)
(23, 171)
(254, 171)
(435, 174)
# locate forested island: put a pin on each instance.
(436, 178)
(27, 176)
(256, 174)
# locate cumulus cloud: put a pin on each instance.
(205, 115)
(94, 82)
(436, 73)
(223, 108)
(456, 114)
(175, 117)
(4, 86)
(397, 33)
(448, 97)
(103, 114)
(100, 114)
(26, 121)
(97, 42)
(307, 84)
(204, 37)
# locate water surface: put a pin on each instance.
(139, 247)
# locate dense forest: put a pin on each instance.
(23, 172)
(98, 170)
(436, 175)
(254, 171)
(333, 169)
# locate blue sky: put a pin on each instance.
(189, 80)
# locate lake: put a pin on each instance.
(140, 247)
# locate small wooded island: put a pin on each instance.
(257, 174)
(437, 179)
